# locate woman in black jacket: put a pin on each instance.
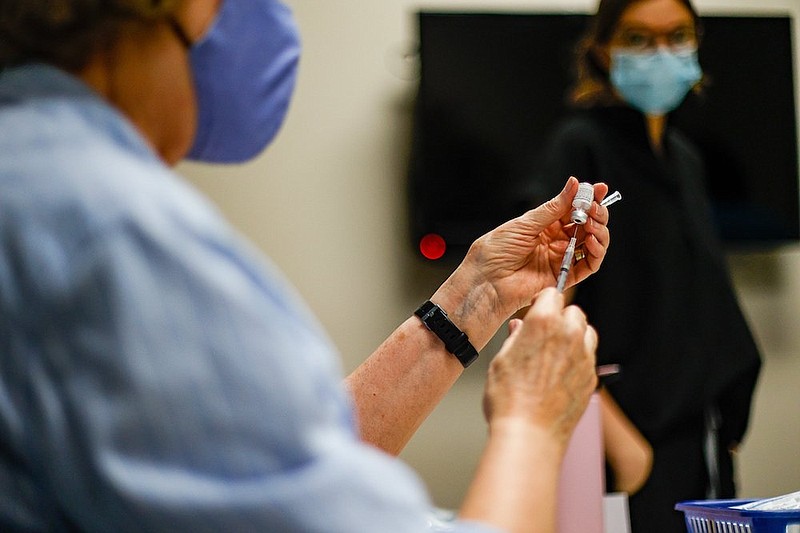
(663, 303)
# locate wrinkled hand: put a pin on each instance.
(523, 256)
(545, 371)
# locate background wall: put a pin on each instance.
(327, 203)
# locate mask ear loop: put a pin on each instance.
(179, 33)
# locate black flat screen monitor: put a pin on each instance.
(493, 84)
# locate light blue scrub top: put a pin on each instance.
(155, 373)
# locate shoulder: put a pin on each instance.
(592, 133)
(77, 178)
(578, 139)
(581, 125)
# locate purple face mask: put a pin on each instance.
(244, 72)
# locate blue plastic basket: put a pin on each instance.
(716, 516)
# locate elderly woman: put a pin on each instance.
(156, 375)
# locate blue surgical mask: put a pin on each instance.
(244, 72)
(655, 82)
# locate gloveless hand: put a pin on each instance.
(509, 265)
(544, 374)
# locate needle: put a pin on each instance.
(569, 254)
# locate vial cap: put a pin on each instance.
(579, 216)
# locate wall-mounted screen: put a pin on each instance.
(493, 84)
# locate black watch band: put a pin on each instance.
(455, 341)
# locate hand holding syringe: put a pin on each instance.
(580, 204)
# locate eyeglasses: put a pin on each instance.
(642, 40)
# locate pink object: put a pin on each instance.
(582, 483)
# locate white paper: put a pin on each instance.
(787, 502)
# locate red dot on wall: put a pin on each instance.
(432, 246)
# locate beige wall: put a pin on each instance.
(327, 203)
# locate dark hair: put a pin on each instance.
(65, 33)
(592, 86)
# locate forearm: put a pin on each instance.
(516, 485)
(628, 453)
(399, 385)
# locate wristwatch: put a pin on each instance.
(455, 341)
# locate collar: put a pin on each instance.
(43, 84)
(36, 80)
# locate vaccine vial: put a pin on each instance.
(582, 202)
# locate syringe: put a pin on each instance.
(566, 263)
(569, 253)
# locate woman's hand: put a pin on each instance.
(545, 371)
(507, 267)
